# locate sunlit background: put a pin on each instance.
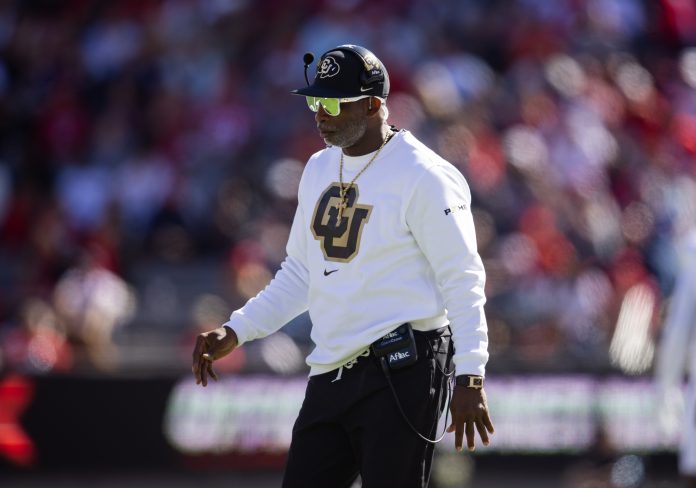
(150, 154)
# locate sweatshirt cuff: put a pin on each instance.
(471, 363)
(242, 327)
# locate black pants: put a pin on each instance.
(353, 426)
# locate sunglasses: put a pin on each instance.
(332, 106)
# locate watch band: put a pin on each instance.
(470, 381)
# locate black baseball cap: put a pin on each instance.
(348, 71)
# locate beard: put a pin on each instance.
(351, 133)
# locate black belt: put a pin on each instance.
(432, 334)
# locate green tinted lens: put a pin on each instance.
(313, 103)
(331, 105)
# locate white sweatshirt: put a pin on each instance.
(405, 251)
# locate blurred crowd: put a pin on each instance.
(150, 153)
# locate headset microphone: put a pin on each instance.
(307, 58)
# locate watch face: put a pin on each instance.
(470, 381)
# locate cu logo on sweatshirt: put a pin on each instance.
(340, 240)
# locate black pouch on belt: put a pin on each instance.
(398, 347)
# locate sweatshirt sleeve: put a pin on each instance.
(284, 298)
(677, 334)
(439, 217)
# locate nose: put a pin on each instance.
(321, 114)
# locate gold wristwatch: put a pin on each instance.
(470, 381)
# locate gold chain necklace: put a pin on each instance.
(344, 191)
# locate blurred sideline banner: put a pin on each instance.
(541, 414)
(246, 421)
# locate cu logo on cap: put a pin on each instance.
(328, 68)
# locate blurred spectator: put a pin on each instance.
(163, 134)
(39, 345)
(92, 302)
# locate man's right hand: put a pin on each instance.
(211, 346)
(469, 409)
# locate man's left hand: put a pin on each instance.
(469, 410)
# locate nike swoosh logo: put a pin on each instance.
(365, 89)
(327, 273)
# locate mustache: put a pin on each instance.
(325, 127)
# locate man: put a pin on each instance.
(382, 252)
(673, 359)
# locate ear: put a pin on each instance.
(373, 106)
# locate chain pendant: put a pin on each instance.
(342, 205)
(342, 192)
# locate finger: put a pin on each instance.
(194, 366)
(197, 371)
(459, 435)
(487, 422)
(197, 350)
(482, 432)
(451, 427)
(212, 373)
(470, 435)
(204, 372)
